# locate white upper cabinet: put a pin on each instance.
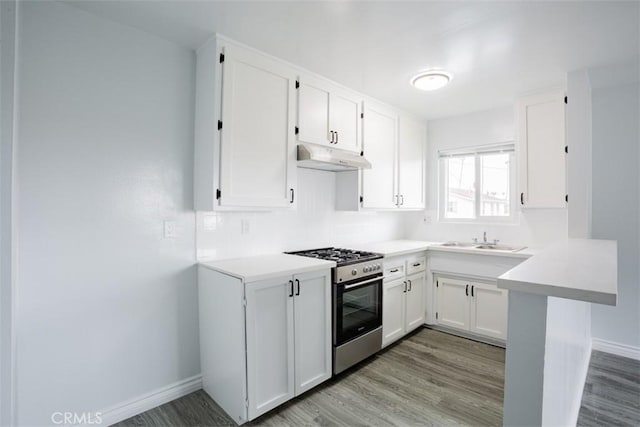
(412, 136)
(258, 157)
(379, 146)
(251, 112)
(395, 146)
(245, 152)
(345, 119)
(328, 115)
(542, 150)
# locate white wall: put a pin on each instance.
(567, 351)
(106, 309)
(616, 210)
(314, 224)
(535, 227)
(7, 259)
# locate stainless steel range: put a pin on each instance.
(357, 304)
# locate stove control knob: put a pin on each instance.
(378, 267)
(354, 272)
(366, 269)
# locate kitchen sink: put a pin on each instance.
(483, 246)
(500, 247)
(459, 244)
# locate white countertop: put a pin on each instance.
(523, 253)
(579, 269)
(395, 247)
(262, 267)
(402, 247)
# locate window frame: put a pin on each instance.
(477, 152)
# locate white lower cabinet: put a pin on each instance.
(403, 299)
(471, 306)
(488, 314)
(285, 324)
(414, 306)
(288, 338)
(393, 301)
(453, 303)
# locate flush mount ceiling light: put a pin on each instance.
(431, 79)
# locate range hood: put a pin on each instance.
(313, 156)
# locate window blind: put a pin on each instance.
(506, 147)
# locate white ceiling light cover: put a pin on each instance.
(431, 79)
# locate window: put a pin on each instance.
(478, 184)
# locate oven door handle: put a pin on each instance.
(363, 283)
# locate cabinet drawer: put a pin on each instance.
(393, 270)
(416, 265)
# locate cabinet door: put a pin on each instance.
(379, 145)
(411, 163)
(453, 302)
(393, 300)
(270, 344)
(345, 119)
(488, 310)
(414, 307)
(313, 111)
(257, 152)
(541, 139)
(312, 314)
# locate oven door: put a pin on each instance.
(357, 308)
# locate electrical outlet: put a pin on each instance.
(210, 222)
(245, 226)
(427, 219)
(170, 230)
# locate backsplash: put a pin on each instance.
(535, 228)
(315, 223)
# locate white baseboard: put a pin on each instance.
(147, 401)
(577, 400)
(618, 349)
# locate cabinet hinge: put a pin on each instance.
(362, 115)
(297, 84)
(297, 130)
(218, 194)
(221, 58)
(219, 124)
(361, 199)
(566, 198)
(566, 149)
(246, 403)
(566, 100)
(436, 315)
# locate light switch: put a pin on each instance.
(170, 230)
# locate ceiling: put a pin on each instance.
(495, 50)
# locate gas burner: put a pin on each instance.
(340, 255)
